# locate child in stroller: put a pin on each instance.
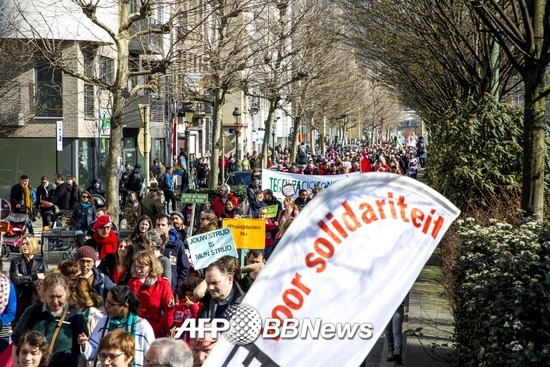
(17, 226)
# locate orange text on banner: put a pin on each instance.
(248, 233)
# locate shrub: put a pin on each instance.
(501, 294)
(475, 152)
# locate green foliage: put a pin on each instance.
(502, 287)
(475, 154)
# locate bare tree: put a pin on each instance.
(522, 29)
(117, 27)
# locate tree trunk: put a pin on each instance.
(269, 127)
(112, 192)
(534, 144)
(216, 134)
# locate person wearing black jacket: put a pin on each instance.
(62, 193)
(44, 193)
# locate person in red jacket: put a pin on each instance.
(154, 292)
(219, 201)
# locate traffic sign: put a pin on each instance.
(226, 142)
(194, 198)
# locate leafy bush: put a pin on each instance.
(475, 153)
(501, 294)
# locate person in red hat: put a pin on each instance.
(104, 240)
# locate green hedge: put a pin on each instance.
(475, 152)
(502, 294)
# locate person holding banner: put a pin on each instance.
(208, 221)
(229, 211)
(270, 231)
(271, 200)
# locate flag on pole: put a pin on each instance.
(338, 274)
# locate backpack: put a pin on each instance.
(160, 180)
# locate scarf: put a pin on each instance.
(4, 292)
(85, 205)
(107, 245)
(27, 200)
(129, 322)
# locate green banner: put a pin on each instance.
(194, 198)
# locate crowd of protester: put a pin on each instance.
(121, 300)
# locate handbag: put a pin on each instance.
(45, 204)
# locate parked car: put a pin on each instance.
(238, 178)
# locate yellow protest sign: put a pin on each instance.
(272, 211)
(248, 233)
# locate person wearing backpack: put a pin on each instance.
(167, 184)
(135, 181)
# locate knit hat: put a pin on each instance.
(86, 251)
(178, 214)
(101, 221)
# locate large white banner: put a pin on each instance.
(275, 181)
(346, 264)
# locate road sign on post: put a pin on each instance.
(194, 198)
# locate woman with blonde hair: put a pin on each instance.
(56, 319)
(154, 292)
(26, 273)
(290, 210)
(90, 303)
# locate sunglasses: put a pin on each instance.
(85, 197)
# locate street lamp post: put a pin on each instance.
(238, 126)
(273, 142)
(189, 113)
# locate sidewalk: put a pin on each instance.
(428, 323)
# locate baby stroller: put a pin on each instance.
(16, 228)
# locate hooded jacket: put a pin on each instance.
(175, 252)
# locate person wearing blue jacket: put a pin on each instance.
(8, 307)
(175, 251)
(169, 187)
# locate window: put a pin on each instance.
(106, 69)
(89, 66)
(89, 107)
(48, 91)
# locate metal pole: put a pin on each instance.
(144, 111)
(187, 153)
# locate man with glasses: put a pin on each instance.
(104, 239)
(202, 347)
(167, 352)
(85, 258)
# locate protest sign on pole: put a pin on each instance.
(339, 273)
(275, 181)
(207, 247)
(248, 233)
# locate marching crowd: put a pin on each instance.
(121, 300)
